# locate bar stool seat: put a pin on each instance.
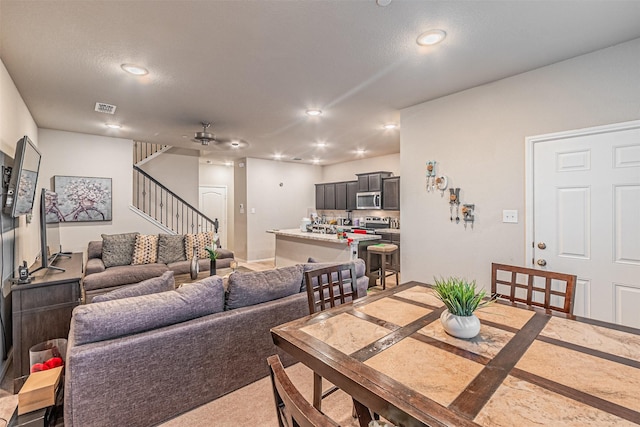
(384, 250)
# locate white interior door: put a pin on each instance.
(586, 213)
(213, 203)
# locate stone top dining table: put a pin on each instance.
(390, 352)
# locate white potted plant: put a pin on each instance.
(461, 299)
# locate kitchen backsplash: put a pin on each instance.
(361, 213)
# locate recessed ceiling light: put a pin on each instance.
(314, 113)
(360, 152)
(228, 163)
(390, 126)
(113, 125)
(235, 144)
(431, 37)
(136, 70)
(277, 156)
(321, 144)
(383, 3)
(316, 161)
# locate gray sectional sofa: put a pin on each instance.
(101, 278)
(142, 360)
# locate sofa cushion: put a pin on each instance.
(94, 265)
(117, 249)
(171, 248)
(196, 244)
(146, 287)
(111, 319)
(250, 288)
(122, 275)
(145, 250)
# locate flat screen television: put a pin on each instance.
(21, 190)
(50, 217)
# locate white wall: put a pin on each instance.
(347, 171)
(477, 137)
(276, 206)
(176, 169)
(222, 176)
(15, 122)
(75, 154)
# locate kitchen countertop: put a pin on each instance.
(388, 230)
(331, 238)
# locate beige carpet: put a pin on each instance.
(254, 405)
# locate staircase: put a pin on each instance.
(160, 205)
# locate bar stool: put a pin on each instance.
(384, 250)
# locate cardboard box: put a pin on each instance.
(39, 391)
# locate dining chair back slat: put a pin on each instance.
(536, 295)
(292, 408)
(331, 286)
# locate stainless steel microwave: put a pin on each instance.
(369, 200)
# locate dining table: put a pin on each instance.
(527, 366)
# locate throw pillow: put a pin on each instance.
(250, 288)
(146, 287)
(117, 249)
(145, 250)
(195, 244)
(112, 319)
(171, 248)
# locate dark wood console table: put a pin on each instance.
(42, 309)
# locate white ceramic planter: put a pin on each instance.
(460, 326)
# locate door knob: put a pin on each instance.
(541, 262)
(542, 245)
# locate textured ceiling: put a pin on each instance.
(253, 67)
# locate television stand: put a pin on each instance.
(53, 258)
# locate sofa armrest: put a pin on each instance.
(224, 253)
(94, 265)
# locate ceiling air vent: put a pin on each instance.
(101, 107)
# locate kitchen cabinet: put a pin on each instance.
(391, 193)
(371, 181)
(352, 190)
(319, 196)
(341, 196)
(330, 196)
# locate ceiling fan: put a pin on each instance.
(205, 138)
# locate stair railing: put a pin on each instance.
(157, 201)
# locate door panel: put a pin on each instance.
(213, 203)
(586, 209)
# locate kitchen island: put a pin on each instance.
(294, 246)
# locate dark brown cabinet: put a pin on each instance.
(352, 190)
(341, 196)
(42, 309)
(391, 193)
(319, 196)
(330, 196)
(371, 181)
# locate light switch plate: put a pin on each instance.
(510, 216)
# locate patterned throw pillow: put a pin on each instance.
(117, 249)
(197, 243)
(146, 249)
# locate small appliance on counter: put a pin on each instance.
(304, 224)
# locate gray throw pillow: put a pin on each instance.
(127, 316)
(117, 249)
(146, 287)
(250, 288)
(171, 248)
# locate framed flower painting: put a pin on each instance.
(82, 199)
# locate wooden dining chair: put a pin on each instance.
(329, 287)
(536, 288)
(292, 408)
